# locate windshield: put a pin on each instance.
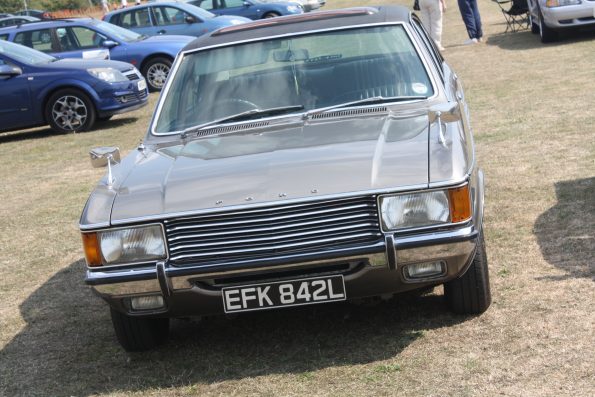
(118, 33)
(301, 73)
(24, 54)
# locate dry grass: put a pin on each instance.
(533, 109)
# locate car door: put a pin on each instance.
(81, 42)
(239, 7)
(15, 101)
(172, 20)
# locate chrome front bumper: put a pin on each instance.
(379, 271)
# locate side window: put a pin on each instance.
(66, 39)
(206, 4)
(134, 19)
(40, 40)
(234, 3)
(85, 38)
(169, 16)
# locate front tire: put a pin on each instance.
(139, 333)
(70, 110)
(270, 15)
(534, 26)
(470, 293)
(156, 71)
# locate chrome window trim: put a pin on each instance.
(125, 264)
(183, 54)
(421, 228)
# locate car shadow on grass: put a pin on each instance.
(67, 345)
(45, 132)
(566, 232)
(525, 40)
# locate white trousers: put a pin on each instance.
(431, 17)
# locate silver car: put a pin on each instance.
(321, 158)
(547, 17)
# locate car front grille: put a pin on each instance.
(272, 232)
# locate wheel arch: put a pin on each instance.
(153, 56)
(45, 95)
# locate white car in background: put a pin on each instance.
(547, 17)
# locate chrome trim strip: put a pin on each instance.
(391, 252)
(174, 70)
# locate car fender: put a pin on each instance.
(40, 100)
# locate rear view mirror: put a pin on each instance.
(109, 44)
(101, 156)
(106, 155)
(10, 71)
(291, 55)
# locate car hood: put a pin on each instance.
(83, 64)
(322, 158)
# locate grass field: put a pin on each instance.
(533, 113)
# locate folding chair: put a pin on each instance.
(516, 14)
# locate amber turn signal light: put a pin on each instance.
(460, 204)
(91, 247)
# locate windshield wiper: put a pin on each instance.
(366, 101)
(246, 115)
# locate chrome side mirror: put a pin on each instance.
(10, 71)
(105, 155)
(444, 113)
(109, 44)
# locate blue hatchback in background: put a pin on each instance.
(90, 38)
(253, 9)
(69, 94)
(170, 18)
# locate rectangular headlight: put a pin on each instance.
(423, 209)
(126, 245)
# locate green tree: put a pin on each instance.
(11, 5)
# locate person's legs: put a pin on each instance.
(424, 11)
(477, 19)
(436, 23)
(468, 17)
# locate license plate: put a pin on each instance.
(283, 294)
(142, 85)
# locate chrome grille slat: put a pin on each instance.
(255, 249)
(273, 231)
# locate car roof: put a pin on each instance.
(26, 17)
(180, 4)
(295, 24)
(45, 23)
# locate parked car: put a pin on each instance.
(41, 14)
(5, 15)
(170, 18)
(90, 38)
(252, 9)
(323, 157)
(70, 95)
(548, 17)
(11, 21)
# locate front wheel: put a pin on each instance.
(470, 293)
(156, 71)
(70, 110)
(139, 333)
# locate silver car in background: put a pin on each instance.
(306, 160)
(548, 17)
